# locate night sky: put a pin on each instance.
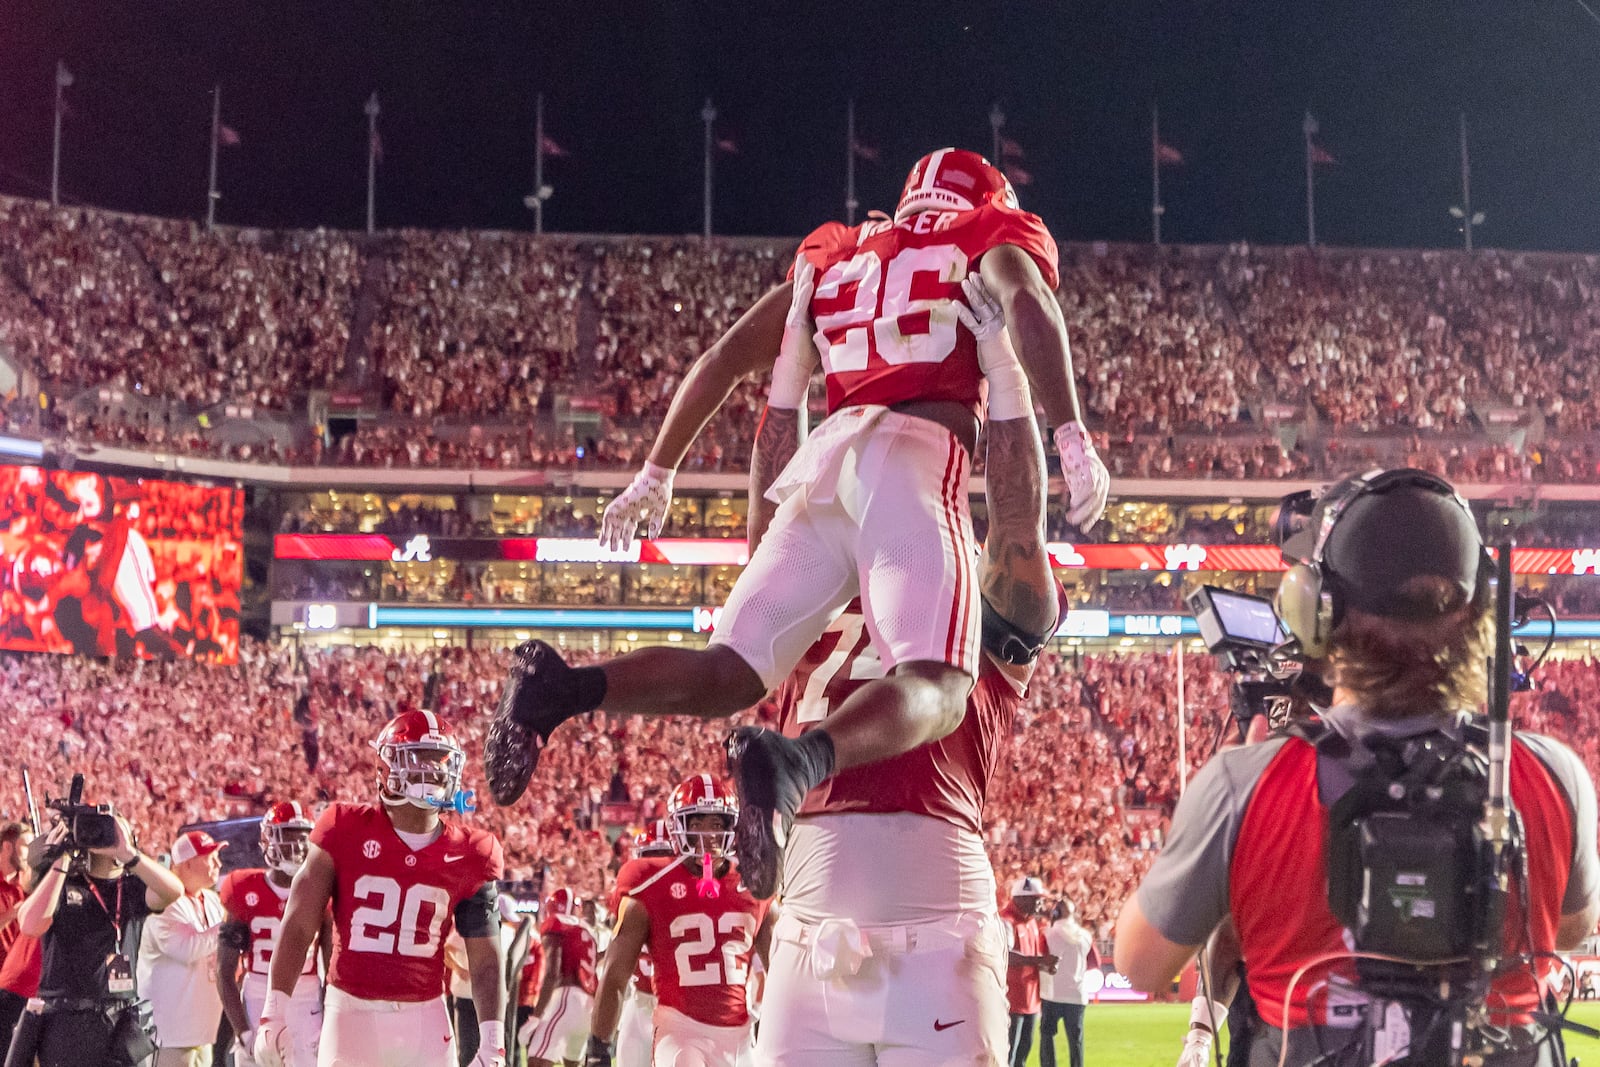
(624, 82)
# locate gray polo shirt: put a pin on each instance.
(1185, 895)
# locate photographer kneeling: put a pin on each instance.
(87, 909)
(1390, 598)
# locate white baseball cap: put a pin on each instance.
(194, 843)
(1027, 886)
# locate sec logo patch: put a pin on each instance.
(678, 891)
(370, 850)
(251, 899)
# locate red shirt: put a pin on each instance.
(23, 968)
(11, 894)
(578, 951)
(884, 304)
(947, 779)
(1022, 980)
(1278, 941)
(250, 898)
(701, 946)
(392, 907)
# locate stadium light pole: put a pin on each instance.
(708, 115)
(211, 185)
(1309, 128)
(1469, 218)
(63, 79)
(534, 201)
(372, 161)
(850, 201)
(1156, 209)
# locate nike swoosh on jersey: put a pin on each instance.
(937, 1025)
(452, 859)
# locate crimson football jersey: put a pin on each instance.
(252, 899)
(578, 950)
(947, 779)
(701, 946)
(392, 907)
(643, 971)
(885, 299)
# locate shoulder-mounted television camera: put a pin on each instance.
(88, 825)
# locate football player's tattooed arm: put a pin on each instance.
(622, 956)
(302, 919)
(777, 440)
(233, 941)
(1034, 320)
(750, 346)
(1016, 576)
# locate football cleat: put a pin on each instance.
(539, 695)
(952, 179)
(769, 775)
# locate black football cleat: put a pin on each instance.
(537, 697)
(769, 774)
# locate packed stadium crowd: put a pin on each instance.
(1188, 358)
(179, 742)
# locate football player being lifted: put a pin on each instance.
(255, 899)
(701, 926)
(874, 505)
(890, 950)
(398, 877)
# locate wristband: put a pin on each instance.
(1207, 1015)
(791, 377)
(492, 1035)
(658, 474)
(1008, 383)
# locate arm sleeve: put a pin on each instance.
(1583, 883)
(1185, 895)
(477, 915)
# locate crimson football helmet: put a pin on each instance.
(422, 761)
(653, 840)
(285, 837)
(701, 794)
(952, 179)
(562, 902)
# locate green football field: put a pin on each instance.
(1151, 1035)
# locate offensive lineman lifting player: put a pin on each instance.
(398, 877)
(873, 505)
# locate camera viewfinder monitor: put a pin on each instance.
(1235, 620)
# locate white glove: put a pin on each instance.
(243, 1044)
(1196, 1050)
(982, 313)
(646, 500)
(1088, 482)
(491, 1045)
(273, 1047)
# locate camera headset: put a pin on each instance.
(1312, 598)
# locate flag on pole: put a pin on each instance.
(1018, 176)
(1010, 150)
(227, 136)
(551, 148)
(866, 152)
(1167, 155)
(1321, 155)
(728, 145)
(376, 145)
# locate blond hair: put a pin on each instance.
(1433, 660)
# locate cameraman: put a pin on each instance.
(1401, 625)
(87, 910)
